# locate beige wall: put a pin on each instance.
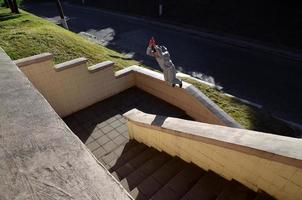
(178, 97)
(71, 89)
(250, 157)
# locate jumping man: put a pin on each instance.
(162, 57)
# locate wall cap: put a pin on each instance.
(282, 149)
(100, 66)
(33, 59)
(70, 63)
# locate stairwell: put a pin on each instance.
(149, 174)
(143, 171)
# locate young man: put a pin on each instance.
(162, 57)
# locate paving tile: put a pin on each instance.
(109, 146)
(125, 134)
(109, 157)
(93, 145)
(103, 140)
(113, 134)
(119, 151)
(123, 120)
(97, 134)
(89, 140)
(120, 140)
(123, 128)
(118, 116)
(99, 152)
(107, 129)
(116, 124)
(102, 124)
(110, 120)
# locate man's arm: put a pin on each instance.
(148, 51)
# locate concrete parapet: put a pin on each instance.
(258, 160)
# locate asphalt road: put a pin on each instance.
(269, 80)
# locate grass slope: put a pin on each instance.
(26, 35)
(248, 116)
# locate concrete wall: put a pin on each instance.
(70, 86)
(178, 97)
(258, 160)
(188, 98)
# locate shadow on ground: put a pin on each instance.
(84, 122)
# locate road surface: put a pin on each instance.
(269, 80)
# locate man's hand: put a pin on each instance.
(152, 42)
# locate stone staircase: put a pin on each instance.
(149, 174)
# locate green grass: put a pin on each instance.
(25, 35)
(248, 116)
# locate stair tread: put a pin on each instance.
(110, 159)
(160, 177)
(236, 191)
(208, 187)
(128, 155)
(134, 163)
(180, 183)
(264, 196)
(136, 177)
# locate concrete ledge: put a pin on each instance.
(70, 63)
(216, 110)
(273, 147)
(33, 59)
(100, 66)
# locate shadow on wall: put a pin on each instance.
(158, 120)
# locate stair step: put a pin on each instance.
(264, 196)
(208, 187)
(132, 180)
(160, 177)
(236, 191)
(128, 155)
(180, 184)
(133, 164)
(110, 159)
